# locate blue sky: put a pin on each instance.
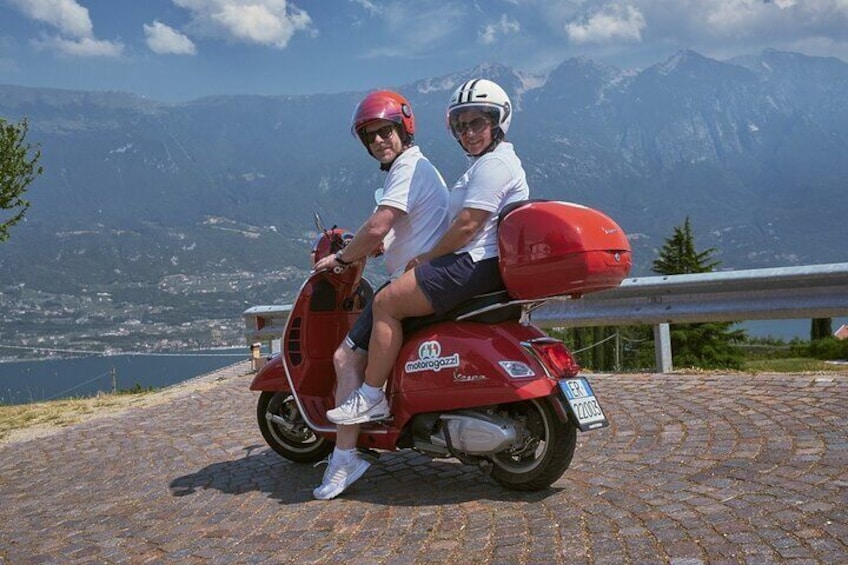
(175, 50)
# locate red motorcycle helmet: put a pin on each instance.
(384, 105)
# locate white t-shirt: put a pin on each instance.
(414, 186)
(494, 180)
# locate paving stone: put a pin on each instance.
(694, 469)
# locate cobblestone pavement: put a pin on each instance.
(694, 469)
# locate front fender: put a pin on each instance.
(272, 376)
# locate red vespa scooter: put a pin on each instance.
(481, 384)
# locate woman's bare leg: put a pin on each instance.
(400, 300)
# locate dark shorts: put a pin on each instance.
(450, 280)
(360, 334)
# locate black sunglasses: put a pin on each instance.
(474, 127)
(384, 132)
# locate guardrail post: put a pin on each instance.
(266, 324)
(662, 348)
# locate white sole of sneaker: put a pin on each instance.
(340, 489)
(360, 420)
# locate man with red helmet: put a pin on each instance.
(410, 217)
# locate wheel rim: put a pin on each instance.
(537, 436)
(294, 433)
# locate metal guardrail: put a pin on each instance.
(813, 291)
(264, 324)
(816, 291)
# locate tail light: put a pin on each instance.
(555, 357)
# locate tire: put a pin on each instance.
(546, 451)
(293, 440)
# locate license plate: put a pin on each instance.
(583, 404)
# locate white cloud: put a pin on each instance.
(369, 7)
(73, 24)
(163, 39)
(68, 17)
(428, 24)
(745, 18)
(751, 17)
(612, 23)
(262, 22)
(85, 47)
(505, 26)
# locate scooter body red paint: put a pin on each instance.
(482, 383)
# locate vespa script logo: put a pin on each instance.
(430, 359)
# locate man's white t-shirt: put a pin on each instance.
(414, 186)
(494, 180)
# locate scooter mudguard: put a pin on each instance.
(272, 376)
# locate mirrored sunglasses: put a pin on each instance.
(384, 132)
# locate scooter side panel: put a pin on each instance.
(450, 366)
(316, 326)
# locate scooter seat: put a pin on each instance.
(509, 310)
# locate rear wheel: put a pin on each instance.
(286, 432)
(543, 452)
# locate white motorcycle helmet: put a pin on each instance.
(483, 95)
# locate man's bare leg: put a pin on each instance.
(345, 465)
(350, 372)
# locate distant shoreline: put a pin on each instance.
(99, 407)
(33, 380)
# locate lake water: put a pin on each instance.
(28, 381)
(784, 329)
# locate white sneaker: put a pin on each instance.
(339, 476)
(357, 409)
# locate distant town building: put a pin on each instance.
(842, 332)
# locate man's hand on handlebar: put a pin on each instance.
(332, 263)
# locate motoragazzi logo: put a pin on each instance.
(430, 359)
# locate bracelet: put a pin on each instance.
(341, 261)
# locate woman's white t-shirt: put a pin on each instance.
(494, 180)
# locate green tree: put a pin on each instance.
(18, 168)
(610, 348)
(821, 328)
(593, 347)
(678, 255)
(710, 344)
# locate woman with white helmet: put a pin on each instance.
(464, 261)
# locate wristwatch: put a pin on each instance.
(341, 261)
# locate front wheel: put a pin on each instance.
(285, 430)
(543, 452)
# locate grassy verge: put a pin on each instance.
(59, 413)
(791, 365)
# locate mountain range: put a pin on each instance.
(206, 207)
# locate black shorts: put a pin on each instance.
(450, 280)
(360, 334)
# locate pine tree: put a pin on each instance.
(707, 345)
(678, 255)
